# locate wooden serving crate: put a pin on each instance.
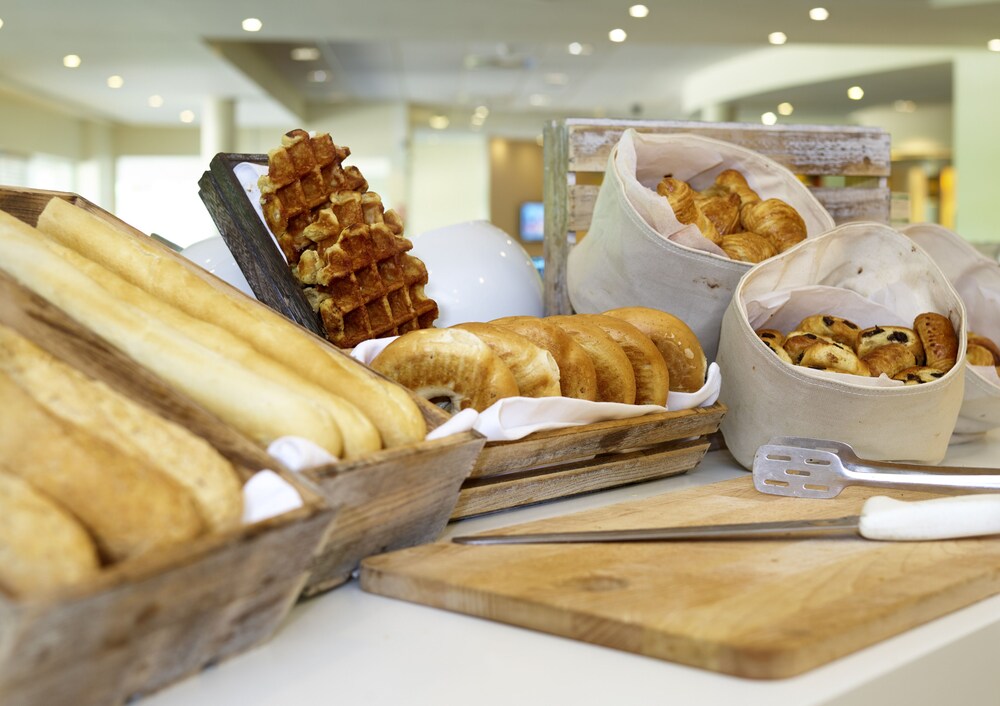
(391, 499)
(845, 167)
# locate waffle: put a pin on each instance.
(343, 247)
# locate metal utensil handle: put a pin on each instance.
(868, 466)
(909, 480)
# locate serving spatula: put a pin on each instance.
(801, 467)
(881, 518)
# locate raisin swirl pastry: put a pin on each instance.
(833, 327)
(939, 340)
(875, 336)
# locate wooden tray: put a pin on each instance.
(394, 498)
(762, 609)
(566, 462)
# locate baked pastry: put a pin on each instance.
(42, 546)
(733, 181)
(748, 247)
(343, 247)
(450, 367)
(675, 340)
(533, 367)
(833, 327)
(976, 354)
(776, 220)
(722, 209)
(918, 375)
(833, 356)
(680, 195)
(577, 374)
(773, 340)
(938, 338)
(797, 342)
(871, 338)
(889, 360)
(615, 378)
(975, 339)
(652, 377)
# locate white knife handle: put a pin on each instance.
(884, 518)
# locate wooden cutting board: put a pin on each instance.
(762, 609)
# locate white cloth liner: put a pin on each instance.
(267, 494)
(636, 253)
(976, 278)
(516, 417)
(881, 419)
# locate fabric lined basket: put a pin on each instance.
(637, 253)
(872, 275)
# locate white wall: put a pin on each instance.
(448, 180)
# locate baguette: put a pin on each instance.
(260, 408)
(42, 547)
(127, 427)
(203, 296)
(127, 507)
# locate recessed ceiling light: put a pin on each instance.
(481, 110)
(785, 108)
(855, 93)
(638, 11)
(1, 23)
(617, 35)
(252, 24)
(318, 76)
(819, 14)
(115, 81)
(305, 54)
(769, 118)
(905, 106)
(71, 61)
(155, 101)
(777, 38)
(575, 48)
(993, 45)
(439, 122)
(187, 116)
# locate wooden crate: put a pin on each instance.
(393, 498)
(565, 462)
(846, 168)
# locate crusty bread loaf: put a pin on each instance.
(533, 367)
(42, 547)
(577, 375)
(615, 377)
(127, 507)
(152, 268)
(261, 408)
(450, 364)
(126, 427)
(677, 342)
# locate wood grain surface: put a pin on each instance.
(761, 609)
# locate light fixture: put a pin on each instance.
(769, 118)
(855, 93)
(318, 76)
(252, 24)
(481, 111)
(638, 11)
(115, 81)
(819, 14)
(187, 116)
(785, 108)
(575, 48)
(305, 54)
(993, 45)
(155, 101)
(1, 23)
(439, 122)
(903, 106)
(71, 61)
(617, 35)
(777, 38)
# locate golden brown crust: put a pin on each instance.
(533, 367)
(938, 338)
(748, 247)
(987, 343)
(676, 342)
(42, 547)
(652, 377)
(577, 374)
(723, 210)
(774, 342)
(615, 377)
(770, 335)
(833, 356)
(680, 195)
(889, 360)
(875, 336)
(735, 182)
(776, 220)
(976, 354)
(833, 327)
(918, 375)
(797, 342)
(447, 364)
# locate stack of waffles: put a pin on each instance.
(345, 249)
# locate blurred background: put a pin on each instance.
(443, 102)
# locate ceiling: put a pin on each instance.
(453, 55)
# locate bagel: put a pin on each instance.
(652, 378)
(939, 340)
(448, 366)
(833, 327)
(577, 374)
(615, 377)
(533, 367)
(677, 343)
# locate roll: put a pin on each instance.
(533, 367)
(577, 374)
(615, 377)
(676, 341)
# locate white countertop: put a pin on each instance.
(348, 646)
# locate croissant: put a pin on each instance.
(681, 197)
(748, 247)
(733, 181)
(891, 359)
(976, 354)
(776, 220)
(723, 210)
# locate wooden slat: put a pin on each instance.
(805, 149)
(555, 294)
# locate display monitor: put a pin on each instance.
(532, 221)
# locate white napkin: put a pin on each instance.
(516, 417)
(267, 494)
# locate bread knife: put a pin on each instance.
(882, 519)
